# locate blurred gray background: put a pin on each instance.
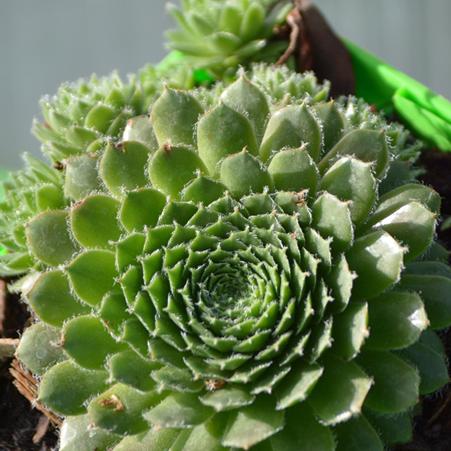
(46, 42)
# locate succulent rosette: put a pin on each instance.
(83, 113)
(230, 276)
(30, 191)
(220, 35)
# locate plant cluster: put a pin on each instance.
(246, 265)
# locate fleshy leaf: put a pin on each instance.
(124, 166)
(396, 320)
(178, 410)
(351, 330)
(396, 383)
(49, 239)
(227, 398)
(357, 434)
(331, 217)
(174, 116)
(412, 225)
(94, 221)
(428, 355)
(340, 392)
(393, 429)
(66, 387)
(52, 300)
(294, 170)
(435, 292)
(39, 348)
(88, 342)
(297, 385)
(366, 145)
(242, 174)
(248, 100)
(253, 424)
(119, 409)
(172, 167)
(77, 433)
(92, 275)
(291, 127)
(222, 132)
(377, 258)
(82, 177)
(134, 212)
(351, 180)
(302, 432)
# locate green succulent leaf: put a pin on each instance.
(88, 342)
(393, 429)
(172, 167)
(94, 221)
(119, 409)
(49, 239)
(302, 432)
(76, 434)
(92, 275)
(357, 434)
(347, 379)
(174, 116)
(180, 410)
(428, 356)
(397, 320)
(434, 291)
(123, 167)
(82, 177)
(66, 387)
(51, 299)
(377, 259)
(393, 394)
(39, 348)
(253, 424)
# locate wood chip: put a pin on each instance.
(27, 386)
(2, 305)
(41, 429)
(8, 347)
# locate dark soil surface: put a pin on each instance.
(23, 428)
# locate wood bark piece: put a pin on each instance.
(27, 386)
(315, 46)
(2, 305)
(41, 429)
(8, 347)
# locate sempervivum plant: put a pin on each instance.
(233, 278)
(83, 113)
(219, 35)
(35, 189)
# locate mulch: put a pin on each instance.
(22, 427)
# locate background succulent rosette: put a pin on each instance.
(245, 267)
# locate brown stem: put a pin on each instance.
(315, 46)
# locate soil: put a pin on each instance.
(22, 428)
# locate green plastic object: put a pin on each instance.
(173, 58)
(426, 112)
